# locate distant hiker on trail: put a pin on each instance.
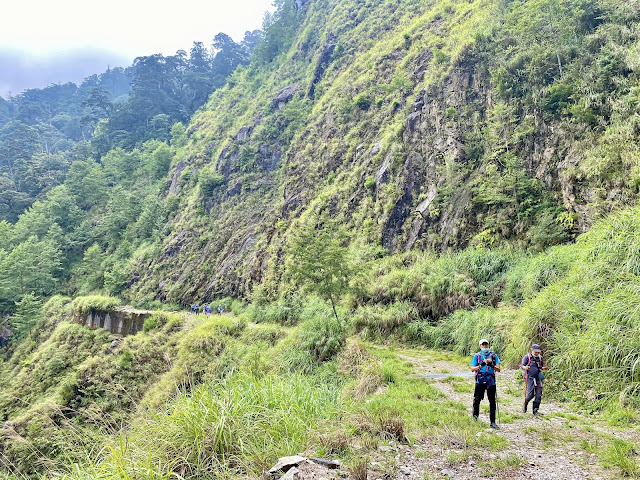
(532, 366)
(193, 308)
(196, 309)
(207, 309)
(219, 309)
(485, 364)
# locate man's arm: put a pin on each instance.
(474, 364)
(496, 363)
(544, 367)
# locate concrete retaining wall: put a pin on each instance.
(124, 321)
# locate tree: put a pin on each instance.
(99, 104)
(90, 274)
(319, 260)
(88, 183)
(27, 314)
(199, 58)
(32, 266)
(18, 143)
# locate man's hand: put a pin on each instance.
(526, 367)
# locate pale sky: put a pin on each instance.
(38, 32)
(130, 27)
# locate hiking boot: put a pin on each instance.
(524, 408)
(494, 425)
(475, 418)
(536, 412)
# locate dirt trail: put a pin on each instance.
(549, 447)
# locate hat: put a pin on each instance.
(535, 347)
(484, 340)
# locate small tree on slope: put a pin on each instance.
(319, 260)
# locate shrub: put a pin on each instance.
(377, 320)
(362, 101)
(322, 337)
(81, 305)
(209, 180)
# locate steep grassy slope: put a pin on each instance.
(184, 396)
(419, 125)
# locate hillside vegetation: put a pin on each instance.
(378, 178)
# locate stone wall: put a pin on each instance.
(123, 321)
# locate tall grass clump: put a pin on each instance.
(588, 321)
(90, 303)
(461, 331)
(318, 338)
(289, 310)
(438, 286)
(239, 426)
(533, 273)
(379, 320)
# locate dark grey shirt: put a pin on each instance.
(535, 364)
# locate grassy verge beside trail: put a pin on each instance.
(234, 428)
(578, 301)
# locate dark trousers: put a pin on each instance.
(478, 395)
(534, 389)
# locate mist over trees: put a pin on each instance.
(43, 131)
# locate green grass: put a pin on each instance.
(90, 303)
(236, 427)
(504, 462)
(622, 455)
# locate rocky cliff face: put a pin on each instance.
(415, 126)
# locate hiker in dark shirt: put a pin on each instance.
(532, 365)
(485, 364)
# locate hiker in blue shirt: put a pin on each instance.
(219, 309)
(532, 366)
(207, 309)
(485, 364)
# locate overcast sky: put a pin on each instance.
(43, 42)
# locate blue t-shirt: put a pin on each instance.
(485, 369)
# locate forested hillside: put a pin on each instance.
(78, 164)
(43, 131)
(426, 172)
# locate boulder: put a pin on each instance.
(291, 474)
(243, 134)
(285, 95)
(412, 120)
(286, 463)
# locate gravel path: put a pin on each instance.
(539, 448)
